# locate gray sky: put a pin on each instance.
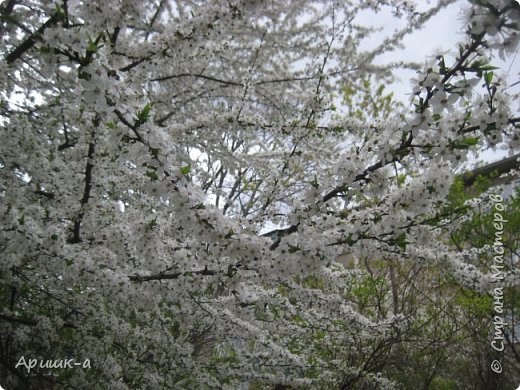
(441, 33)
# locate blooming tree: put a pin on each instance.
(179, 192)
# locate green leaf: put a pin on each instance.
(152, 175)
(152, 224)
(92, 47)
(144, 114)
(299, 320)
(488, 77)
(401, 241)
(495, 173)
(470, 141)
(245, 184)
(231, 270)
(465, 143)
(60, 14)
(293, 249)
(442, 66)
(83, 75)
(488, 67)
(186, 169)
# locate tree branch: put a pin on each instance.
(500, 167)
(171, 276)
(31, 40)
(201, 76)
(76, 232)
(7, 9)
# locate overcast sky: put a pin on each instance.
(441, 33)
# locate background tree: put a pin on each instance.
(146, 149)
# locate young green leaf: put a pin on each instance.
(488, 77)
(144, 114)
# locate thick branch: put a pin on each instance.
(7, 9)
(30, 321)
(170, 276)
(499, 167)
(22, 321)
(76, 232)
(31, 40)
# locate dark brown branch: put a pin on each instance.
(6, 16)
(76, 232)
(17, 320)
(470, 129)
(499, 167)
(154, 18)
(48, 195)
(170, 276)
(31, 40)
(134, 127)
(114, 36)
(31, 321)
(65, 13)
(360, 177)
(7, 9)
(287, 80)
(276, 235)
(135, 63)
(123, 119)
(200, 76)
